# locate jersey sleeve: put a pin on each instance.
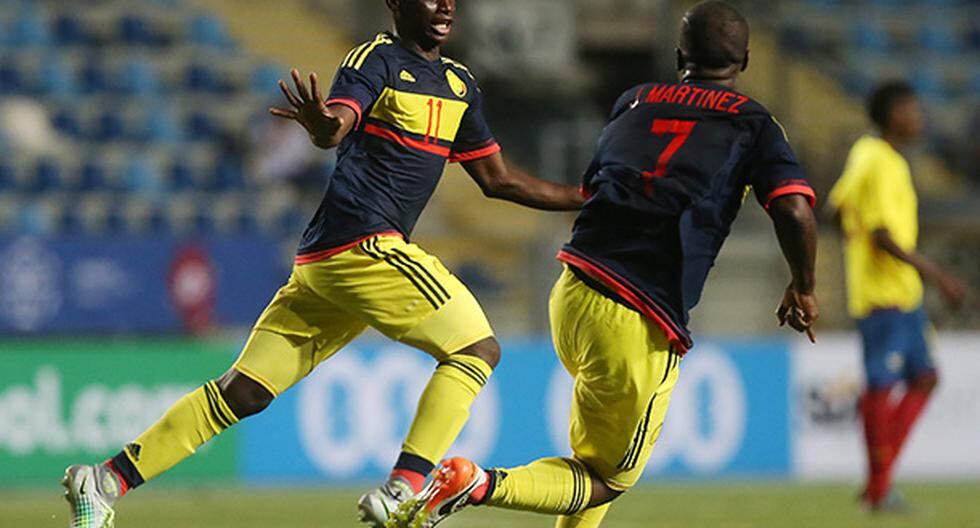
(361, 79)
(776, 171)
(474, 140)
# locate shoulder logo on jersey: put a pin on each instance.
(456, 84)
(406, 76)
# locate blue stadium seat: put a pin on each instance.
(201, 78)
(228, 174)
(929, 83)
(33, 219)
(70, 30)
(56, 79)
(181, 176)
(138, 78)
(204, 223)
(870, 36)
(115, 221)
(140, 176)
(265, 79)
(92, 176)
(47, 176)
(160, 126)
(109, 127)
(11, 79)
(246, 222)
(200, 127)
(69, 221)
(209, 30)
(28, 29)
(8, 175)
(158, 222)
(65, 122)
(135, 30)
(93, 78)
(938, 36)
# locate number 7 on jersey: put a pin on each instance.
(682, 130)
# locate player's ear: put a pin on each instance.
(681, 61)
(745, 63)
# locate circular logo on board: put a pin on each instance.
(30, 285)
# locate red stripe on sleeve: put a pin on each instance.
(349, 103)
(786, 190)
(473, 155)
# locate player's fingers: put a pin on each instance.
(304, 95)
(315, 87)
(781, 314)
(289, 94)
(811, 335)
(285, 114)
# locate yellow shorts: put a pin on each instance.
(624, 371)
(383, 282)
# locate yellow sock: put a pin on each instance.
(557, 486)
(189, 423)
(445, 405)
(590, 518)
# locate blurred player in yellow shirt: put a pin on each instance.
(877, 207)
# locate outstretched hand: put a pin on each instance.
(799, 311)
(308, 108)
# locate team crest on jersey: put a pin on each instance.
(407, 76)
(456, 84)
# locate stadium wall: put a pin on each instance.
(745, 409)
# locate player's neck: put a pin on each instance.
(431, 54)
(896, 141)
(722, 78)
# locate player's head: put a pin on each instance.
(895, 109)
(425, 22)
(714, 42)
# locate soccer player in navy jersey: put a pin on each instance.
(670, 173)
(398, 110)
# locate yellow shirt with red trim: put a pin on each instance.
(413, 115)
(876, 192)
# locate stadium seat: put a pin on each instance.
(109, 127)
(201, 78)
(136, 30)
(138, 78)
(35, 219)
(140, 176)
(8, 175)
(70, 30)
(869, 36)
(265, 79)
(46, 176)
(11, 80)
(28, 29)
(160, 126)
(92, 176)
(939, 37)
(66, 123)
(200, 127)
(55, 79)
(929, 83)
(228, 174)
(93, 78)
(181, 176)
(208, 30)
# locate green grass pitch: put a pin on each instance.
(735, 505)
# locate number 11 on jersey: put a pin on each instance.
(682, 131)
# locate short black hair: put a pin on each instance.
(714, 34)
(884, 96)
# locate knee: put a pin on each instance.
(244, 396)
(488, 350)
(602, 493)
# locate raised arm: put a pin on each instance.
(951, 287)
(327, 125)
(796, 229)
(514, 185)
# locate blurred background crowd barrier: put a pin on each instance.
(145, 191)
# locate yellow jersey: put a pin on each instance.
(875, 192)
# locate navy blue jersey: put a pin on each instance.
(670, 173)
(413, 116)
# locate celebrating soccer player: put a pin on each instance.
(878, 212)
(670, 173)
(398, 111)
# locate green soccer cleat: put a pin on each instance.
(91, 491)
(447, 494)
(376, 507)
